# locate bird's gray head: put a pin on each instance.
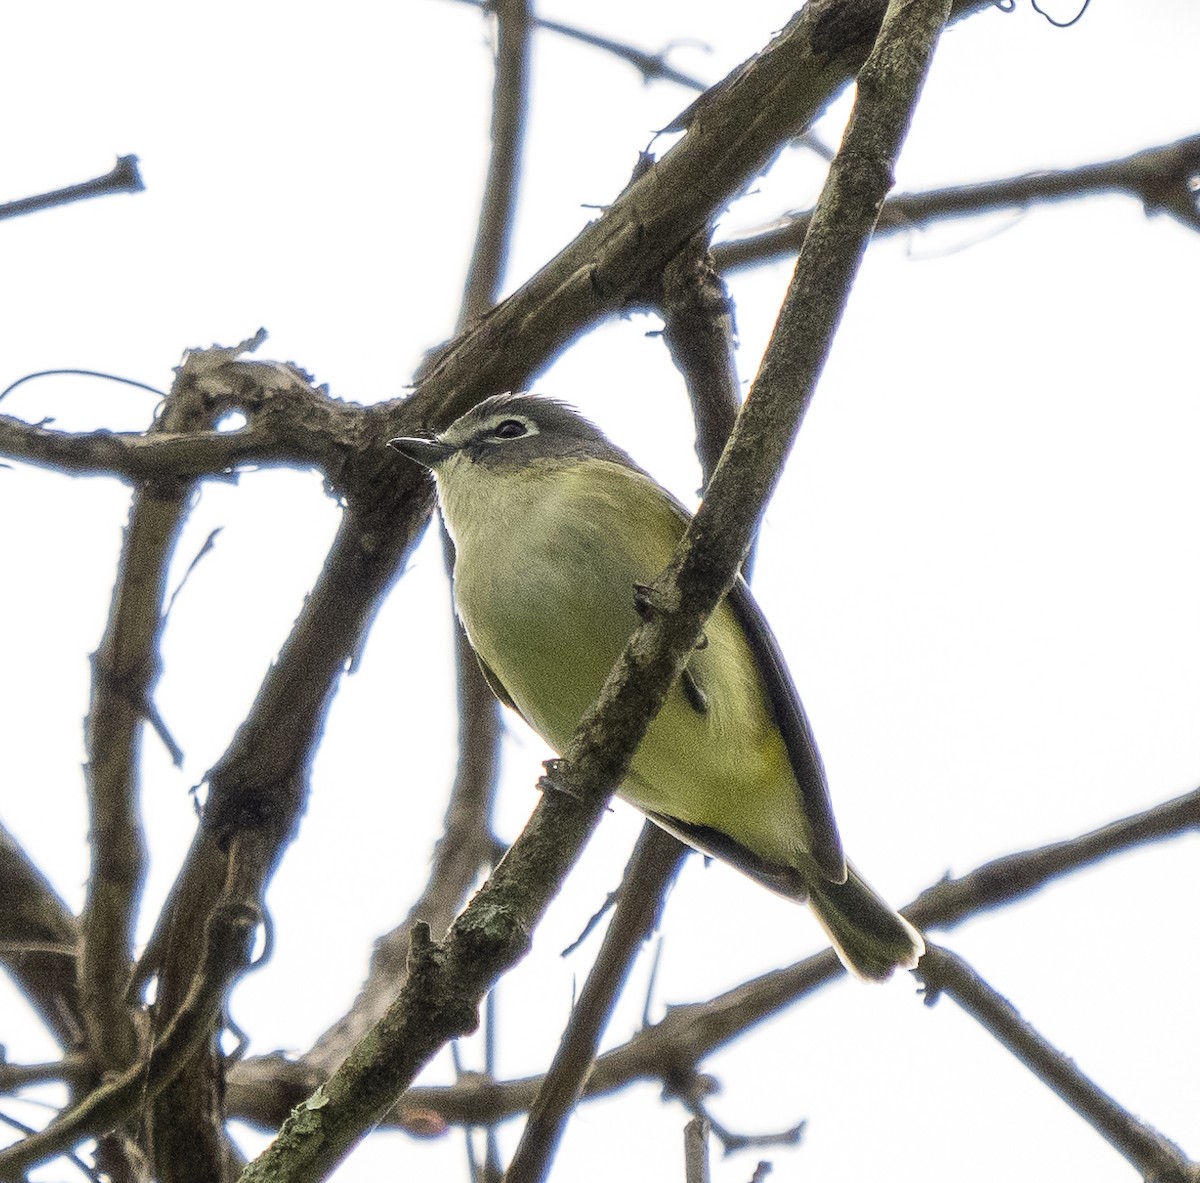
(513, 430)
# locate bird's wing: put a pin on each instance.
(496, 686)
(791, 720)
(787, 881)
(793, 725)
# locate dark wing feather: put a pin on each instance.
(787, 881)
(789, 715)
(496, 686)
(802, 751)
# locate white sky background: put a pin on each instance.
(982, 560)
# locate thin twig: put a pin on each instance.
(124, 178)
(1156, 1158)
(652, 868)
(651, 66)
(510, 100)
(1162, 178)
(694, 1089)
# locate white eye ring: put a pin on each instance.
(509, 429)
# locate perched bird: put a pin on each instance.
(553, 528)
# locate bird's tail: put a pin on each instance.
(870, 936)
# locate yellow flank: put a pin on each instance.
(551, 640)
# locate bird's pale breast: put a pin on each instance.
(544, 580)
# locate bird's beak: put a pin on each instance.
(429, 453)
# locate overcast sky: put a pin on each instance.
(981, 562)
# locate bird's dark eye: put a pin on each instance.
(509, 429)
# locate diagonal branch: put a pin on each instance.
(698, 324)
(655, 863)
(466, 846)
(124, 178)
(257, 789)
(1005, 880)
(447, 980)
(731, 138)
(262, 1089)
(1155, 1157)
(38, 942)
(1163, 179)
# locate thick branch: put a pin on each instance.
(732, 135)
(467, 844)
(447, 980)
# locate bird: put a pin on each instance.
(554, 530)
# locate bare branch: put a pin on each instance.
(38, 942)
(465, 847)
(288, 421)
(134, 455)
(447, 980)
(467, 844)
(1007, 879)
(1162, 178)
(652, 868)
(261, 1090)
(651, 66)
(698, 330)
(124, 670)
(73, 1069)
(226, 952)
(1155, 1157)
(695, 1151)
(124, 178)
(264, 773)
(730, 139)
(510, 97)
